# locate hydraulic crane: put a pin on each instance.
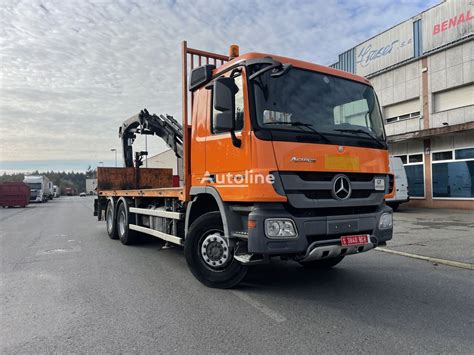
(164, 126)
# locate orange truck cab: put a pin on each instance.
(281, 158)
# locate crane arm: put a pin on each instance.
(164, 126)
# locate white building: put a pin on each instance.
(423, 73)
(165, 159)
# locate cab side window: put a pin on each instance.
(239, 108)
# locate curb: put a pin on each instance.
(458, 264)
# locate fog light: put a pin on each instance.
(386, 221)
(280, 228)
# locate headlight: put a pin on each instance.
(280, 228)
(386, 221)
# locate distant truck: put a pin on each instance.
(70, 191)
(40, 188)
(400, 188)
(14, 194)
(56, 191)
(51, 189)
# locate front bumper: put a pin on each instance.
(313, 231)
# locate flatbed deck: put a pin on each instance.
(156, 192)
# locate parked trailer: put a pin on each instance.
(13, 194)
(40, 188)
(320, 148)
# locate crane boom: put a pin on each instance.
(164, 126)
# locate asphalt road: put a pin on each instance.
(66, 287)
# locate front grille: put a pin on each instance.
(328, 176)
(326, 194)
(311, 189)
(335, 211)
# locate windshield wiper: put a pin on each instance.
(302, 124)
(375, 139)
(278, 69)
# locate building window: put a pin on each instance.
(402, 111)
(407, 116)
(448, 155)
(403, 158)
(467, 153)
(453, 173)
(454, 98)
(415, 158)
(414, 168)
(417, 36)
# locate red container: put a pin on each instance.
(175, 180)
(14, 194)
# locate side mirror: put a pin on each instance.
(224, 95)
(224, 101)
(224, 121)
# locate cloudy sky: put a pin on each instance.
(71, 71)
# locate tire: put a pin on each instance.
(111, 220)
(208, 229)
(124, 218)
(322, 264)
(395, 207)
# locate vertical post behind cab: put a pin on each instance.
(186, 143)
(208, 57)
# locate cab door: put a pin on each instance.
(227, 165)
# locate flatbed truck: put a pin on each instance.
(277, 158)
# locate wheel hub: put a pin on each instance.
(214, 250)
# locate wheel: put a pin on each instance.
(322, 264)
(395, 207)
(126, 236)
(208, 254)
(110, 221)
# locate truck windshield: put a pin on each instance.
(34, 185)
(331, 109)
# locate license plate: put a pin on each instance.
(354, 240)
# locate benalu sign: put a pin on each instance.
(446, 23)
(388, 48)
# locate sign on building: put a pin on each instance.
(446, 23)
(388, 48)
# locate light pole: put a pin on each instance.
(115, 151)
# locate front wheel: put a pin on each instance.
(208, 254)
(322, 264)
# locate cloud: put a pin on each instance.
(72, 71)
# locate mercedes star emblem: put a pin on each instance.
(341, 187)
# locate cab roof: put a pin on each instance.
(296, 63)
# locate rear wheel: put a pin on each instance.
(208, 254)
(395, 206)
(322, 264)
(126, 236)
(110, 220)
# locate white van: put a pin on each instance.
(400, 184)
